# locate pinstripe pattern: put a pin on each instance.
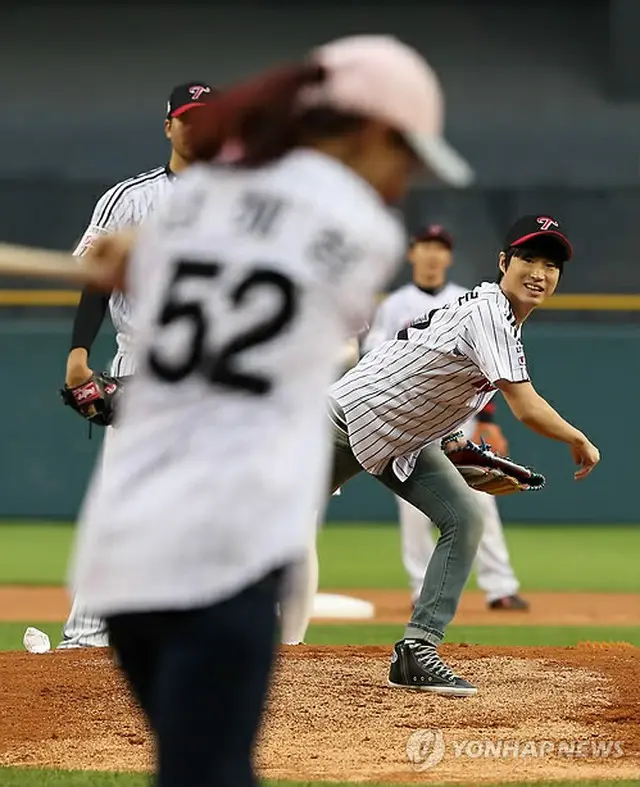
(127, 204)
(413, 390)
(405, 304)
(123, 364)
(122, 193)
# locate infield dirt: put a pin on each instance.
(47, 604)
(541, 713)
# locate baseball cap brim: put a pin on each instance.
(442, 159)
(186, 107)
(557, 236)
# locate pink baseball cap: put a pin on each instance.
(381, 77)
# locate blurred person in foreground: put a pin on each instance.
(247, 282)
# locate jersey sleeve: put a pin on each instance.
(112, 212)
(88, 318)
(490, 341)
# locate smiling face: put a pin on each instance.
(530, 276)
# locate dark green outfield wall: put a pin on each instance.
(591, 373)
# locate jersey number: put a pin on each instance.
(220, 367)
(422, 325)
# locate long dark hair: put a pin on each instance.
(263, 118)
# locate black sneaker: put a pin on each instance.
(415, 664)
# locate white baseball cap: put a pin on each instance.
(381, 77)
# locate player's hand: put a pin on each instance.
(492, 434)
(585, 455)
(78, 371)
(107, 260)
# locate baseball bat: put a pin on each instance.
(42, 264)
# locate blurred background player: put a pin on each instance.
(431, 255)
(124, 205)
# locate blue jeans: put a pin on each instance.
(201, 677)
(437, 489)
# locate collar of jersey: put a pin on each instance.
(169, 172)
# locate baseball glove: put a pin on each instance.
(95, 399)
(488, 472)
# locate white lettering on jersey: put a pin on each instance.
(403, 306)
(222, 454)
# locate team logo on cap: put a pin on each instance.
(546, 223)
(197, 90)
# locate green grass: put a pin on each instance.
(381, 634)
(597, 559)
(11, 635)
(378, 634)
(34, 554)
(32, 777)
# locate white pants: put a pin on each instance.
(83, 629)
(493, 567)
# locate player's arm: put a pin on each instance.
(535, 412)
(86, 324)
(110, 213)
(491, 342)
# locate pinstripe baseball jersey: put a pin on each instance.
(429, 380)
(403, 306)
(127, 204)
(246, 285)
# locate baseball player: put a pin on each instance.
(394, 413)
(247, 281)
(124, 205)
(430, 255)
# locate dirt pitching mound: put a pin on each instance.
(541, 713)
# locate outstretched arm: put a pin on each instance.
(535, 412)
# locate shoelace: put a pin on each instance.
(427, 656)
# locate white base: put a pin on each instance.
(329, 605)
